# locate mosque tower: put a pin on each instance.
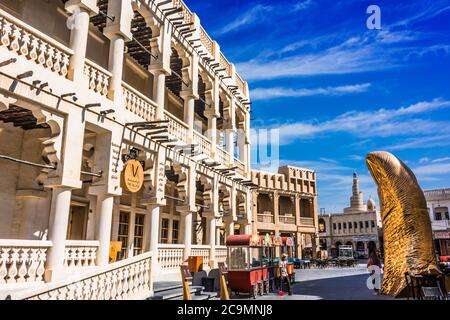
(356, 200)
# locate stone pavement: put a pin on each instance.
(330, 284)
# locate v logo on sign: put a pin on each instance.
(135, 170)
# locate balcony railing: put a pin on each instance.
(126, 279)
(307, 221)
(223, 156)
(170, 256)
(205, 145)
(32, 44)
(177, 128)
(138, 103)
(240, 166)
(80, 254)
(266, 218)
(201, 251)
(287, 219)
(22, 260)
(98, 77)
(221, 254)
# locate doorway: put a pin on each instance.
(76, 229)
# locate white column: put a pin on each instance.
(230, 143)
(154, 214)
(159, 91)
(116, 56)
(59, 219)
(212, 133)
(189, 115)
(187, 236)
(230, 228)
(218, 236)
(211, 240)
(105, 204)
(78, 42)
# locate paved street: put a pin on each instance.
(330, 284)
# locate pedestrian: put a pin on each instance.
(374, 260)
(284, 273)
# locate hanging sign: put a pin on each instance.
(133, 176)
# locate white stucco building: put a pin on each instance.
(86, 88)
(438, 202)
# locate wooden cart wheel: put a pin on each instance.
(255, 290)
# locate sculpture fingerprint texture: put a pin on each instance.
(408, 243)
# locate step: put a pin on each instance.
(202, 296)
(171, 293)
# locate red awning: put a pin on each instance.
(243, 240)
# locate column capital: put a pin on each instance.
(123, 14)
(212, 113)
(90, 6)
(157, 69)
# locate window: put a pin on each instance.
(355, 225)
(367, 224)
(334, 226)
(361, 225)
(350, 225)
(175, 231)
(339, 226)
(372, 223)
(138, 234)
(345, 225)
(164, 230)
(447, 216)
(437, 216)
(124, 220)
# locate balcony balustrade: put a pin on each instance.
(33, 45)
(221, 254)
(201, 251)
(80, 254)
(286, 219)
(98, 77)
(22, 260)
(266, 218)
(170, 256)
(306, 221)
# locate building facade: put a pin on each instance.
(357, 226)
(120, 120)
(285, 204)
(438, 202)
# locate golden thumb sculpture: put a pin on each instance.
(408, 244)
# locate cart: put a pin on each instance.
(247, 269)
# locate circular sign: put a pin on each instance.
(133, 176)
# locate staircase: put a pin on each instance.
(174, 291)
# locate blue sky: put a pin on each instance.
(337, 90)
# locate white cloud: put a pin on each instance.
(349, 57)
(355, 157)
(249, 17)
(270, 93)
(303, 5)
(440, 160)
(440, 140)
(379, 123)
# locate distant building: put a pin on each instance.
(438, 202)
(285, 204)
(357, 226)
